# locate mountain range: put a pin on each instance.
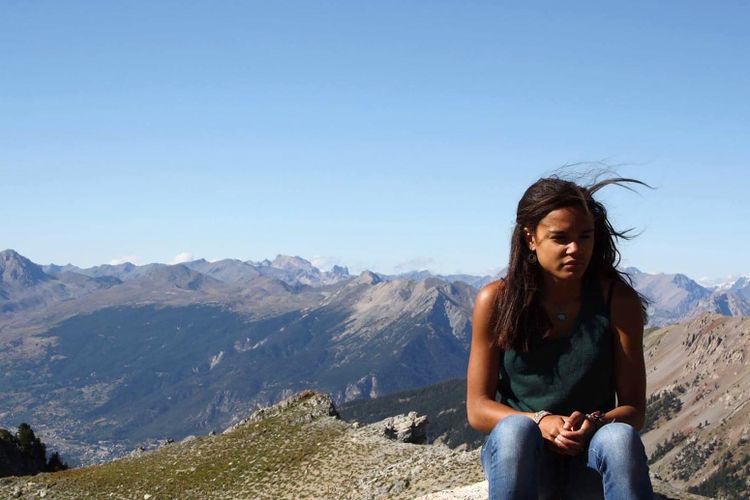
(674, 297)
(101, 359)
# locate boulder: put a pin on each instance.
(409, 428)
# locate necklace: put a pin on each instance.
(561, 315)
(560, 310)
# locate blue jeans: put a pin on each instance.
(518, 466)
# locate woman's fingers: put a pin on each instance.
(571, 433)
(577, 436)
(568, 444)
(551, 426)
(574, 421)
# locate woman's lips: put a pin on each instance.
(573, 265)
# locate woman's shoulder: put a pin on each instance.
(487, 296)
(491, 290)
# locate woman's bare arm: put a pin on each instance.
(482, 410)
(630, 368)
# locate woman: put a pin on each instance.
(561, 340)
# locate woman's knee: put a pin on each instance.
(515, 431)
(617, 453)
(617, 443)
(617, 435)
(513, 446)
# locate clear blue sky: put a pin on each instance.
(387, 135)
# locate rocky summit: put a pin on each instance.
(298, 449)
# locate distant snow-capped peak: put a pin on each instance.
(725, 283)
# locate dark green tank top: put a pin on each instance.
(569, 373)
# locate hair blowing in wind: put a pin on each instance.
(519, 318)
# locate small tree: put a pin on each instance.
(7, 437)
(25, 438)
(55, 463)
(31, 446)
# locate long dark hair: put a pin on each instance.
(519, 318)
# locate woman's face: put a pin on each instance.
(563, 242)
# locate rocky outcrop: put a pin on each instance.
(409, 428)
(313, 405)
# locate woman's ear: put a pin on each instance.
(530, 240)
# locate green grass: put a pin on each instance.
(293, 451)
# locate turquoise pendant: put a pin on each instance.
(562, 316)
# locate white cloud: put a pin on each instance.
(419, 263)
(133, 259)
(182, 257)
(325, 263)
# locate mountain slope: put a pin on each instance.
(673, 296)
(296, 449)
(699, 378)
(124, 374)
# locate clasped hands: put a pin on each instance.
(567, 435)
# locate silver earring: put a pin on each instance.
(531, 258)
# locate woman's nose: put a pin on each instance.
(572, 248)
